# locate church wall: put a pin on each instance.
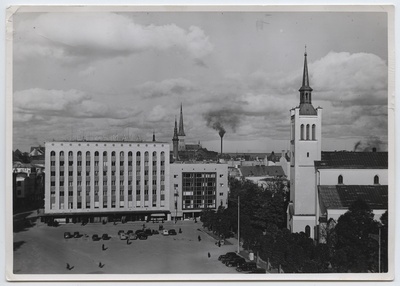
(353, 176)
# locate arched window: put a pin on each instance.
(130, 154)
(308, 132)
(313, 132)
(154, 154)
(105, 154)
(302, 132)
(61, 153)
(308, 154)
(52, 153)
(121, 154)
(88, 154)
(113, 153)
(308, 231)
(137, 154)
(70, 154)
(340, 179)
(96, 154)
(376, 180)
(79, 153)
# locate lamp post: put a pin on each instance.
(238, 249)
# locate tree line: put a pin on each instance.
(351, 243)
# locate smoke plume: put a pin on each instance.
(220, 119)
(369, 143)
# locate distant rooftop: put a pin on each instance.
(342, 196)
(108, 141)
(259, 171)
(353, 160)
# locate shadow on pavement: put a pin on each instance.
(18, 244)
(22, 222)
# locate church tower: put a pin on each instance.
(305, 147)
(181, 133)
(175, 142)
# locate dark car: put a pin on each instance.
(248, 266)
(67, 235)
(172, 232)
(105, 236)
(120, 231)
(148, 232)
(226, 255)
(227, 258)
(139, 231)
(129, 232)
(155, 232)
(77, 234)
(142, 236)
(95, 237)
(235, 261)
(258, 270)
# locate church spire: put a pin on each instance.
(181, 131)
(306, 107)
(154, 136)
(175, 132)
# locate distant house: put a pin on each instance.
(261, 174)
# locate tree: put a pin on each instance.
(355, 250)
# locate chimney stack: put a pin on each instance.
(221, 134)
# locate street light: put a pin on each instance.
(238, 249)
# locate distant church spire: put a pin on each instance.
(175, 131)
(181, 132)
(154, 136)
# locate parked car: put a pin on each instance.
(123, 236)
(148, 232)
(165, 232)
(155, 232)
(132, 236)
(142, 236)
(95, 237)
(139, 231)
(227, 258)
(77, 234)
(105, 236)
(248, 266)
(226, 255)
(236, 261)
(129, 231)
(120, 231)
(258, 270)
(172, 232)
(67, 235)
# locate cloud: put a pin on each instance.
(40, 103)
(168, 87)
(345, 78)
(69, 36)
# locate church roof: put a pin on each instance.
(342, 196)
(353, 160)
(259, 171)
(307, 109)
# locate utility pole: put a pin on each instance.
(379, 252)
(238, 249)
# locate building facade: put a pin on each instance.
(197, 186)
(97, 180)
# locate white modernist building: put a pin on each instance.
(97, 179)
(197, 186)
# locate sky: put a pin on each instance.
(124, 75)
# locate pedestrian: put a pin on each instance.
(102, 247)
(209, 255)
(219, 243)
(199, 238)
(180, 230)
(127, 241)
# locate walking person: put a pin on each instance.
(199, 238)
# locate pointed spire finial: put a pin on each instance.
(181, 131)
(305, 50)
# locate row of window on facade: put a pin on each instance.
(105, 173)
(113, 153)
(340, 180)
(307, 135)
(106, 204)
